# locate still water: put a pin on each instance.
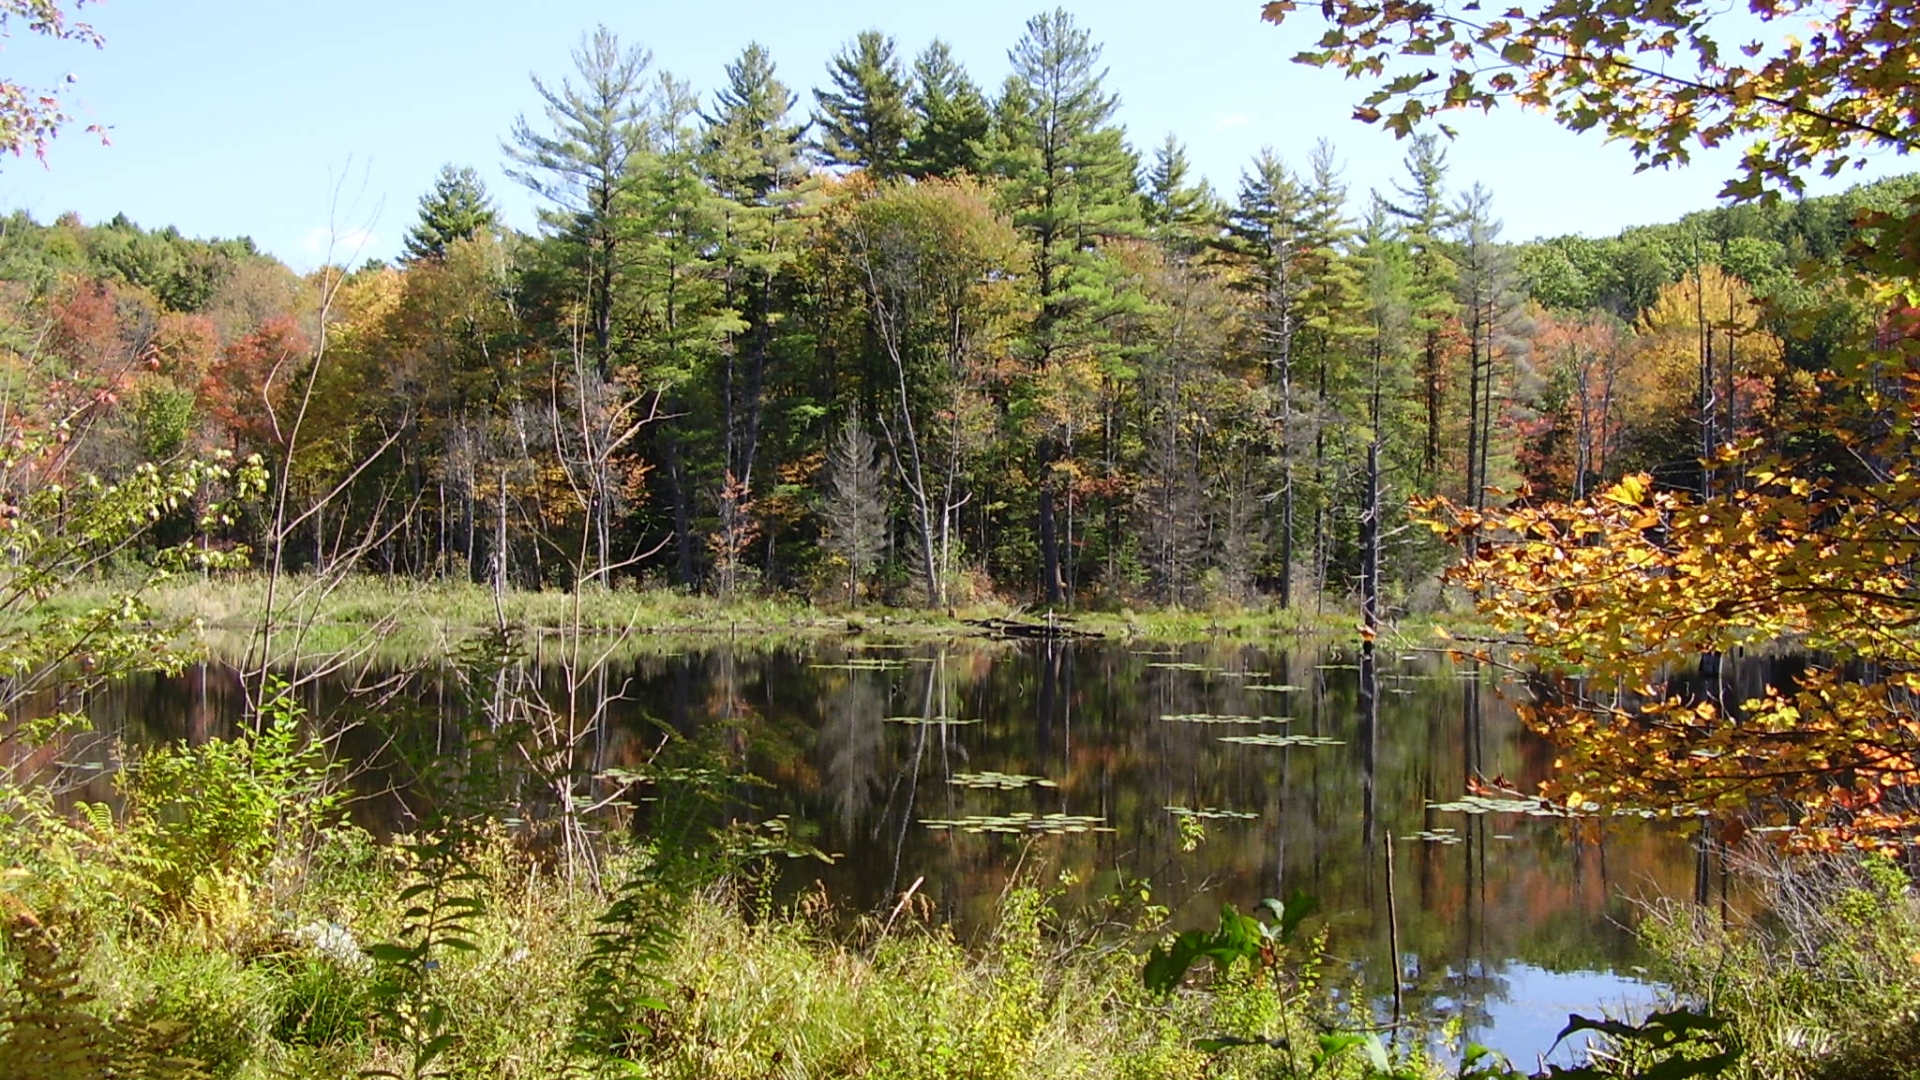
(948, 769)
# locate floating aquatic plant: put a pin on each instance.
(1485, 804)
(1210, 813)
(1215, 718)
(1281, 740)
(1015, 824)
(998, 781)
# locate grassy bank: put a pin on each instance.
(424, 615)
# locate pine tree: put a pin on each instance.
(1330, 336)
(864, 121)
(457, 208)
(1183, 216)
(1425, 219)
(585, 164)
(687, 315)
(755, 162)
(1492, 308)
(1264, 230)
(754, 150)
(676, 222)
(1070, 183)
(950, 117)
(598, 132)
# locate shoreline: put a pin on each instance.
(402, 610)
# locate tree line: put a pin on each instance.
(916, 340)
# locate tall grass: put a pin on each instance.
(425, 616)
(1819, 974)
(264, 977)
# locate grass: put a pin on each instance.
(1820, 978)
(414, 618)
(258, 975)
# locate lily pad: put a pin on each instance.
(1214, 718)
(1210, 813)
(1016, 824)
(1281, 740)
(998, 781)
(1272, 688)
(1483, 804)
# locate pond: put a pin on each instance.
(1219, 773)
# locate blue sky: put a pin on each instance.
(292, 122)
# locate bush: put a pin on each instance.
(1824, 981)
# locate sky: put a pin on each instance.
(314, 127)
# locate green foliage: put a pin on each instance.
(864, 119)
(950, 116)
(48, 1030)
(440, 913)
(225, 808)
(458, 208)
(1820, 980)
(1238, 938)
(1674, 1044)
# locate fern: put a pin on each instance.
(47, 1031)
(620, 988)
(443, 899)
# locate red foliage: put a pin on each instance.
(86, 331)
(244, 389)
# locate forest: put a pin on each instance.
(879, 336)
(915, 340)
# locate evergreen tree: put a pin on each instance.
(1329, 338)
(585, 165)
(679, 223)
(597, 133)
(755, 162)
(676, 222)
(1492, 310)
(1264, 230)
(864, 120)
(754, 149)
(457, 208)
(1425, 220)
(1183, 216)
(950, 117)
(1070, 183)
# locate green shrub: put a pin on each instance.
(224, 1006)
(1822, 982)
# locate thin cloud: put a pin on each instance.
(1231, 121)
(322, 241)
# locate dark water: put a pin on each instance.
(1507, 921)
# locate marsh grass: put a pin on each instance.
(402, 617)
(1821, 978)
(271, 984)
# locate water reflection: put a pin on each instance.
(864, 746)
